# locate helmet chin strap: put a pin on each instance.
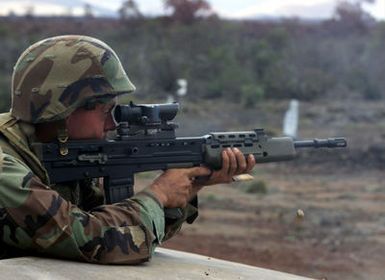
(62, 138)
(27, 128)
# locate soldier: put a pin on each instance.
(66, 87)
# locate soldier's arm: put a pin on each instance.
(34, 217)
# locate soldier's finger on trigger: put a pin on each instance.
(198, 171)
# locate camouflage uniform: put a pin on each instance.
(51, 79)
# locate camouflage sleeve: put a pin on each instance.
(35, 217)
(173, 225)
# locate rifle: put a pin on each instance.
(145, 140)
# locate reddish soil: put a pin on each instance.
(341, 236)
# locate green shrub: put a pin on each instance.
(255, 187)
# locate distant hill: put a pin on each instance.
(241, 62)
(52, 7)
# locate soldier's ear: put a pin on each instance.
(49, 131)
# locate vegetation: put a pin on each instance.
(240, 61)
(255, 187)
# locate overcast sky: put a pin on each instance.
(247, 8)
(225, 8)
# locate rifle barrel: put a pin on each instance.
(321, 143)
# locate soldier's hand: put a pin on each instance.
(176, 187)
(233, 163)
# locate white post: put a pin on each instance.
(290, 121)
(182, 90)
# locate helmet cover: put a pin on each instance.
(55, 76)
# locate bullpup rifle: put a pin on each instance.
(145, 140)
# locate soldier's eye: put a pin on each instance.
(108, 109)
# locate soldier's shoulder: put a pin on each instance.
(12, 165)
(15, 180)
(1, 159)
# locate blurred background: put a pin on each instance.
(238, 65)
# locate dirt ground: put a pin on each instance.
(341, 236)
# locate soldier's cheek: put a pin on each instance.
(109, 123)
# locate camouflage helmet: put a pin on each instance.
(55, 76)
